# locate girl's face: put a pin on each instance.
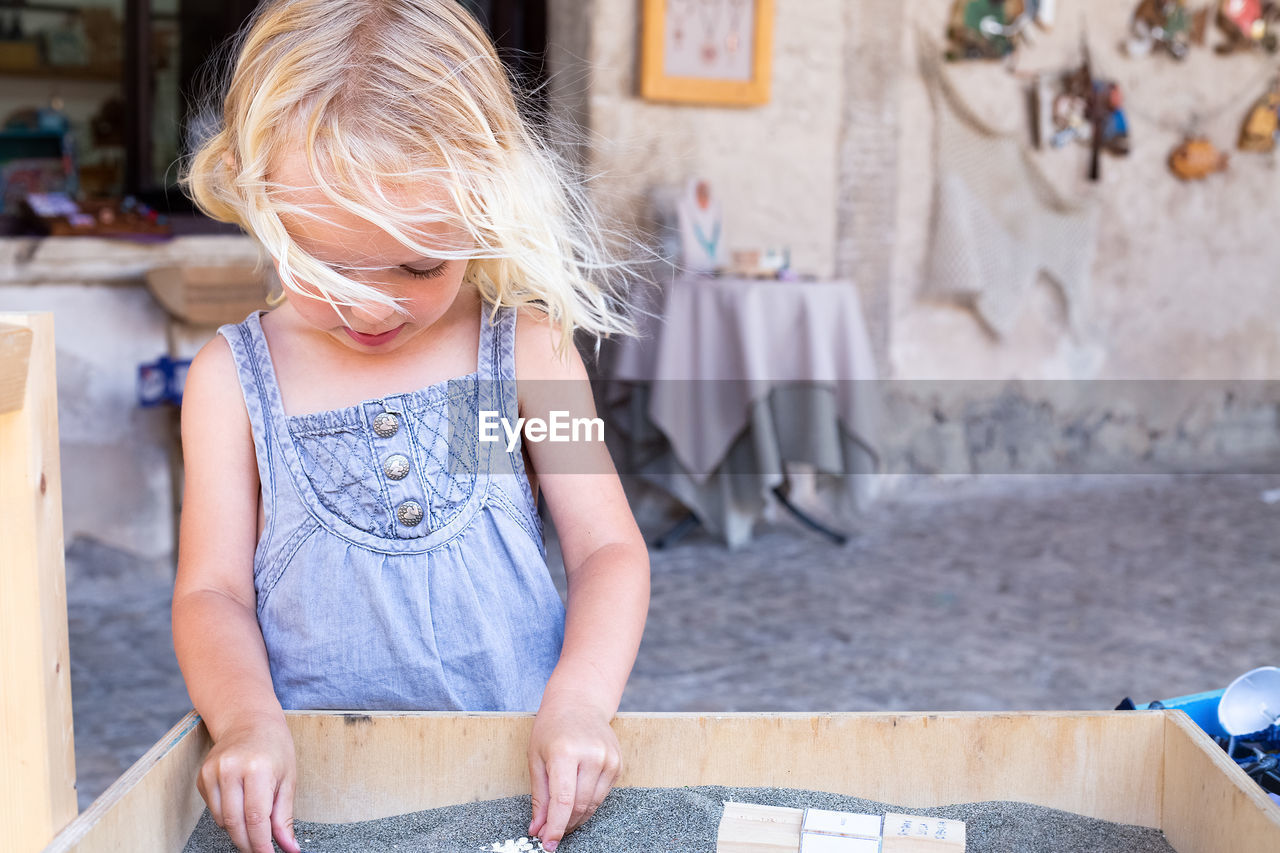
(361, 251)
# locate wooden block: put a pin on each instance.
(839, 832)
(811, 843)
(915, 834)
(15, 354)
(750, 828)
(37, 751)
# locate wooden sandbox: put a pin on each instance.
(1150, 768)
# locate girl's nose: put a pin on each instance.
(372, 313)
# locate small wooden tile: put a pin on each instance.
(915, 834)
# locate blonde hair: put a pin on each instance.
(382, 95)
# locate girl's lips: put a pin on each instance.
(373, 340)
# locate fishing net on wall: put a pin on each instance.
(998, 222)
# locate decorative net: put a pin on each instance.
(998, 222)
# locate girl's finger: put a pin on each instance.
(282, 817)
(585, 789)
(233, 812)
(562, 781)
(538, 793)
(604, 782)
(212, 797)
(259, 797)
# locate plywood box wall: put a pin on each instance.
(1150, 768)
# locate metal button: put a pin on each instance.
(396, 467)
(409, 513)
(386, 425)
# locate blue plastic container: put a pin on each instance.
(1202, 708)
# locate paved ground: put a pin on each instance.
(996, 593)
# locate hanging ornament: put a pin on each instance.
(678, 16)
(1077, 107)
(1166, 24)
(1262, 123)
(1196, 159)
(1249, 24)
(993, 29)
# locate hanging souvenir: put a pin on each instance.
(1167, 24)
(1078, 107)
(1248, 24)
(1263, 122)
(1196, 159)
(993, 29)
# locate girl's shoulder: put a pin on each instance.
(211, 392)
(214, 366)
(540, 350)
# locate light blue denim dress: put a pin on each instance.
(401, 566)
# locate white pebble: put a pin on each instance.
(516, 845)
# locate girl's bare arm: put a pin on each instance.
(574, 756)
(248, 778)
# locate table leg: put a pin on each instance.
(682, 528)
(809, 521)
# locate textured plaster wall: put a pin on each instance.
(775, 166)
(116, 485)
(1184, 279)
(840, 166)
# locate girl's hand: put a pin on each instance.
(248, 781)
(574, 759)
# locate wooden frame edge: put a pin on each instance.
(15, 361)
(1200, 778)
(37, 737)
(112, 821)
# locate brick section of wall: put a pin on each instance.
(866, 211)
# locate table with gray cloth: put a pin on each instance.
(742, 379)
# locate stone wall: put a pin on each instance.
(840, 165)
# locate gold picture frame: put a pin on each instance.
(714, 52)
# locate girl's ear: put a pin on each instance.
(229, 160)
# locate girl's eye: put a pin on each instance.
(435, 272)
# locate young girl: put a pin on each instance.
(348, 541)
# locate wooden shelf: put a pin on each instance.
(71, 72)
(52, 8)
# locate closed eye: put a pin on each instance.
(432, 272)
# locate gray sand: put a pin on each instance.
(684, 820)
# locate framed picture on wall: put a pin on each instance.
(707, 51)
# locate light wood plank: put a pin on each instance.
(37, 750)
(1107, 765)
(15, 354)
(1210, 804)
(154, 806)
